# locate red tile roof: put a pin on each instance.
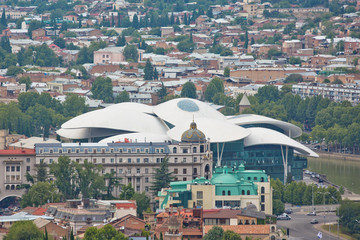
(39, 211)
(221, 213)
(244, 229)
(125, 205)
(17, 152)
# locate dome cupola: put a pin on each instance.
(193, 135)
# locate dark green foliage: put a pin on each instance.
(189, 90)
(39, 194)
(121, 41)
(27, 82)
(350, 217)
(127, 192)
(14, 71)
(215, 233)
(131, 53)
(102, 89)
(223, 51)
(186, 46)
(108, 232)
(5, 44)
(142, 203)
(23, 230)
(294, 78)
(60, 42)
(122, 97)
(231, 235)
(148, 71)
(215, 86)
(162, 177)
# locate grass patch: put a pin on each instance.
(334, 230)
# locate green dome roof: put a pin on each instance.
(224, 178)
(193, 134)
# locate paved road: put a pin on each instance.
(301, 229)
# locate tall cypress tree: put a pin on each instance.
(246, 44)
(3, 21)
(135, 22)
(118, 19)
(5, 44)
(149, 72)
(112, 20)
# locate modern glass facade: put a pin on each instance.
(261, 157)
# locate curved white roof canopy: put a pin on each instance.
(178, 110)
(125, 119)
(82, 133)
(265, 136)
(245, 119)
(137, 137)
(131, 106)
(214, 129)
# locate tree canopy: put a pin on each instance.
(23, 230)
(188, 90)
(102, 89)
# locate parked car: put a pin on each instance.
(288, 211)
(314, 221)
(311, 214)
(283, 216)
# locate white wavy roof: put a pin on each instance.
(137, 137)
(244, 119)
(179, 110)
(117, 118)
(214, 129)
(265, 136)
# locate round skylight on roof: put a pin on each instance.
(188, 105)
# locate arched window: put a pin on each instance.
(261, 179)
(7, 187)
(194, 149)
(201, 148)
(262, 189)
(242, 192)
(17, 187)
(255, 178)
(248, 192)
(12, 187)
(174, 150)
(249, 178)
(272, 229)
(223, 192)
(229, 192)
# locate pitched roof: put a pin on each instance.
(221, 213)
(243, 229)
(244, 101)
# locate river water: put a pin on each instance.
(338, 171)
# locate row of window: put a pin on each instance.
(103, 150)
(128, 160)
(13, 168)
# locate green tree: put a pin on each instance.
(294, 78)
(91, 182)
(162, 177)
(131, 53)
(112, 182)
(39, 194)
(41, 172)
(278, 206)
(273, 52)
(231, 235)
(102, 89)
(60, 42)
(186, 46)
(23, 230)
(65, 177)
(148, 71)
(14, 71)
(215, 233)
(108, 232)
(26, 81)
(127, 192)
(33, 25)
(5, 44)
(268, 93)
(3, 21)
(162, 92)
(189, 90)
(135, 22)
(294, 60)
(121, 41)
(142, 203)
(227, 72)
(74, 105)
(42, 118)
(122, 97)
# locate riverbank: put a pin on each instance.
(340, 156)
